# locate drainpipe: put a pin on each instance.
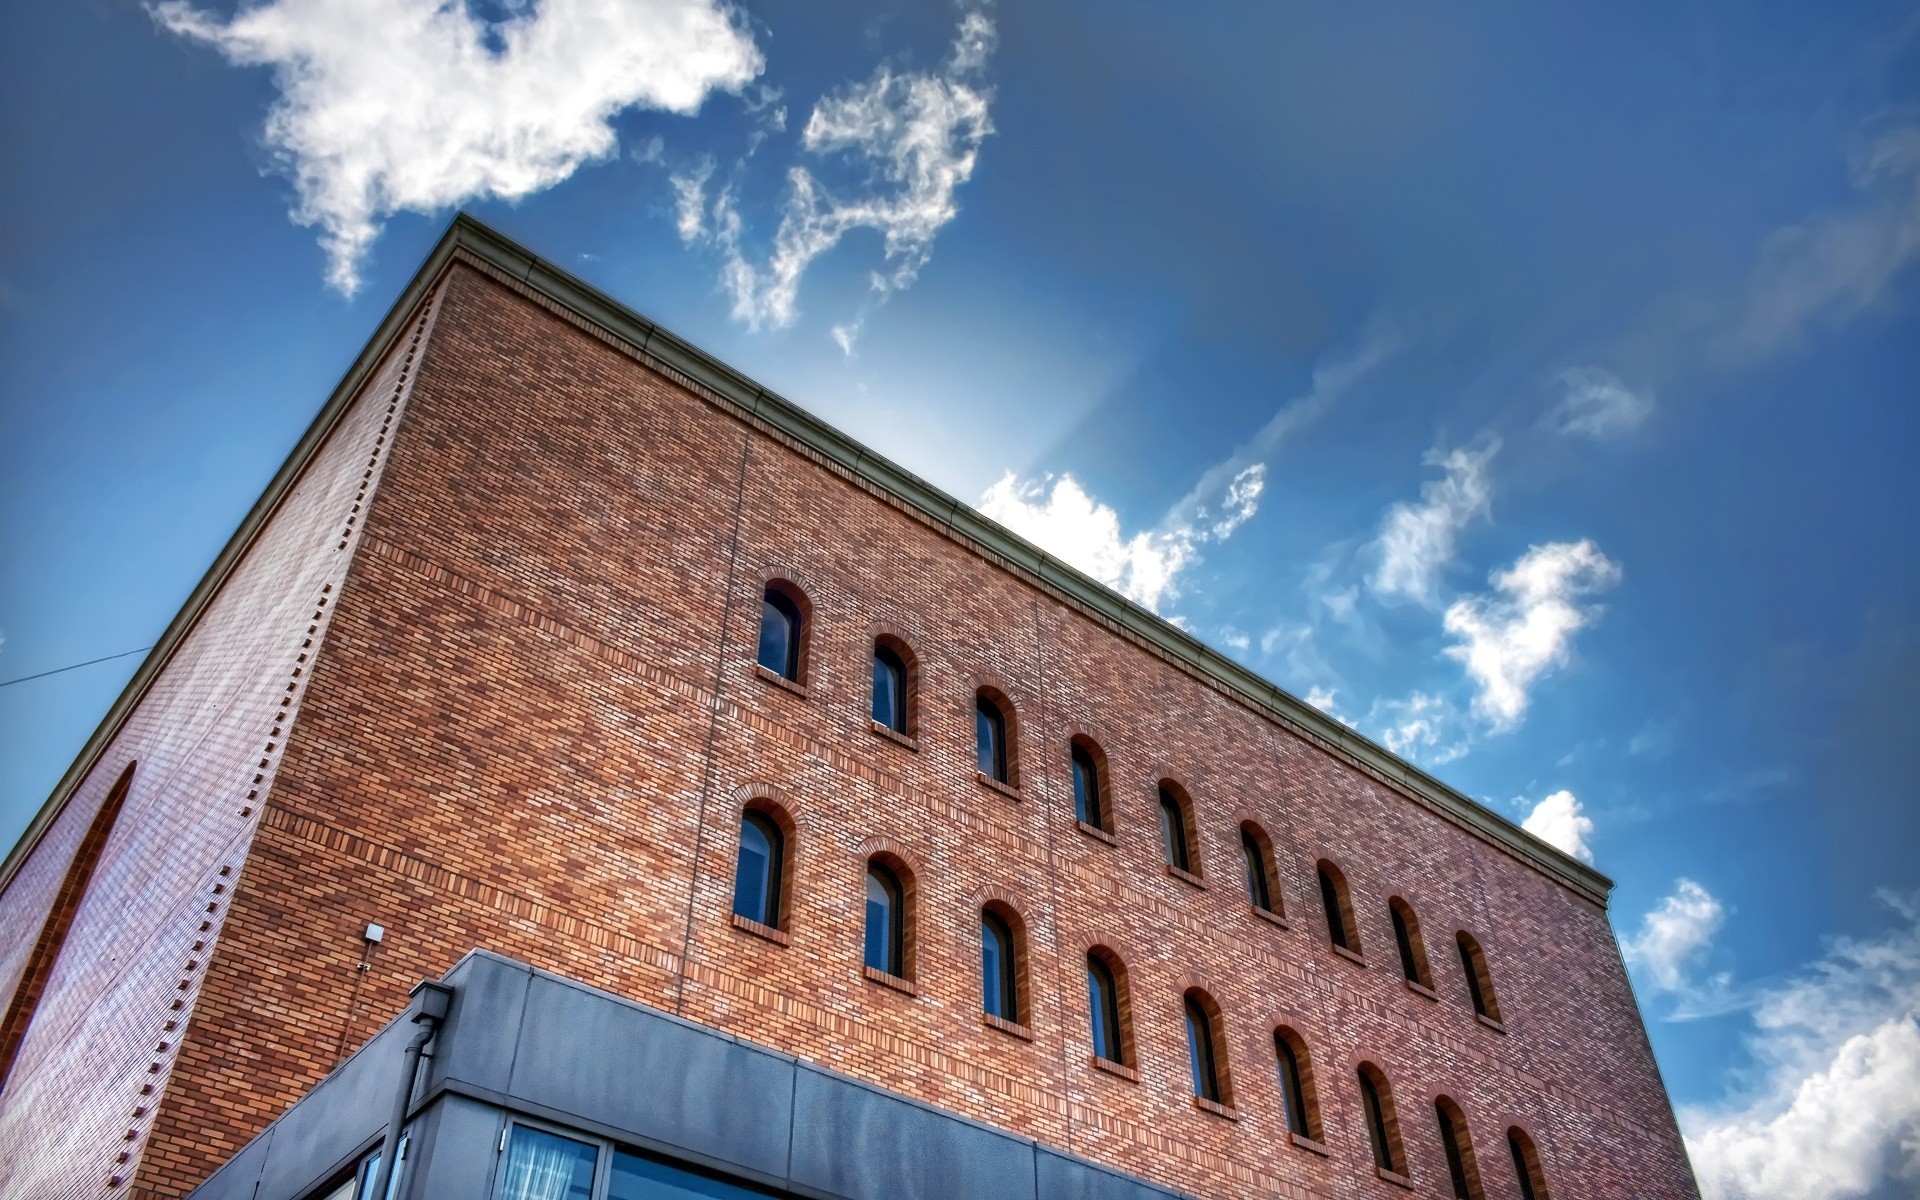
(432, 1000)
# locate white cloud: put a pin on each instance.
(1235, 641)
(1595, 404)
(1837, 265)
(1833, 1108)
(1558, 820)
(690, 199)
(1059, 516)
(1417, 541)
(1674, 936)
(1508, 641)
(393, 106)
(1322, 699)
(1655, 740)
(916, 134)
(1423, 727)
(845, 335)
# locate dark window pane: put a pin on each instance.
(779, 635)
(990, 732)
(997, 968)
(1206, 1083)
(883, 922)
(1292, 1090)
(1521, 1170)
(889, 690)
(1173, 830)
(1086, 789)
(1257, 893)
(1471, 969)
(1103, 1006)
(1456, 1166)
(546, 1166)
(1409, 966)
(636, 1178)
(756, 886)
(1376, 1124)
(1336, 919)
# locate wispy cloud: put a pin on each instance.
(1417, 540)
(1675, 936)
(1834, 1107)
(1836, 265)
(1595, 404)
(391, 106)
(915, 136)
(1424, 727)
(1509, 639)
(1559, 820)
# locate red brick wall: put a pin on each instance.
(537, 718)
(103, 1046)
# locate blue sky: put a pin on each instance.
(1534, 389)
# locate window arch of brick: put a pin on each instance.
(1456, 1143)
(996, 727)
(1212, 1076)
(1297, 1089)
(889, 866)
(1343, 930)
(773, 817)
(903, 715)
(1382, 1120)
(785, 653)
(1016, 966)
(1473, 964)
(53, 931)
(1412, 947)
(1092, 797)
(1527, 1169)
(1179, 830)
(1109, 1007)
(1263, 878)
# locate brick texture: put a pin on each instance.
(534, 722)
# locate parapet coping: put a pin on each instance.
(755, 404)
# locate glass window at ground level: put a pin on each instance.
(546, 1166)
(636, 1178)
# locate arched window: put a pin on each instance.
(1526, 1165)
(886, 949)
(1104, 1006)
(29, 991)
(1413, 951)
(1383, 1126)
(1205, 1047)
(1176, 829)
(756, 878)
(999, 966)
(1089, 796)
(1261, 892)
(781, 630)
(1341, 927)
(1462, 1171)
(992, 744)
(1473, 962)
(1296, 1084)
(892, 687)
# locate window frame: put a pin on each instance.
(1177, 830)
(1298, 1094)
(1263, 883)
(1208, 1071)
(1116, 1009)
(1456, 1146)
(895, 950)
(1096, 812)
(904, 722)
(1415, 967)
(790, 601)
(1529, 1169)
(1011, 995)
(1336, 898)
(991, 707)
(1479, 976)
(1382, 1120)
(774, 885)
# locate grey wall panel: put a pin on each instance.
(477, 1043)
(238, 1178)
(1063, 1178)
(855, 1141)
(457, 1155)
(669, 1082)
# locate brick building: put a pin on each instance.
(496, 663)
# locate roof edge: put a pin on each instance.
(961, 521)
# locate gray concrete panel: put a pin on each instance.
(669, 1083)
(1063, 1178)
(456, 1155)
(858, 1142)
(477, 1043)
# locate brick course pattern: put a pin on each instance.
(533, 724)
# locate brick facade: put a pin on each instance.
(532, 719)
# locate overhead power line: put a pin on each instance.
(74, 666)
